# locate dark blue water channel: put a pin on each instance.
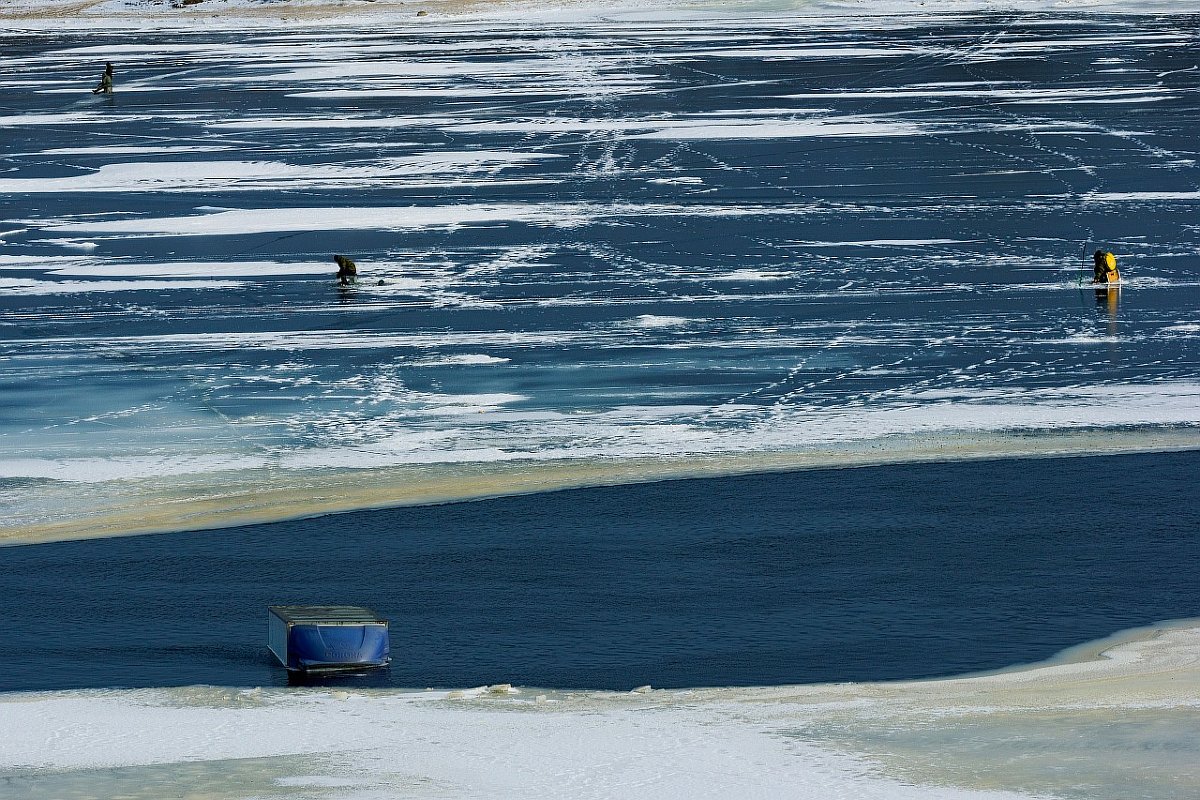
(855, 574)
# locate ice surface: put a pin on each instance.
(31, 287)
(201, 176)
(643, 244)
(1117, 712)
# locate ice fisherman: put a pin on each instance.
(1104, 268)
(105, 80)
(347, 271)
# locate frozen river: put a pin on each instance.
(594, 253)
(584, 244)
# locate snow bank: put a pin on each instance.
(794, 742)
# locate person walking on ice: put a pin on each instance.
(105, 80)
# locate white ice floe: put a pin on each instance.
(1074, 94)
(882, 243)
(98, 470)
(295, 341)
(744, 125)
(681, 181)
(29, 288)
(565, 74)
(182, 269)
(1120, 197)
(284, 220)
(125, 150)
(328, 122)
(557, 88)
(660, 321)
(15, 262)
(227, 176)
(71, 244)
(465, 359)
(71, 118)
(751, 275)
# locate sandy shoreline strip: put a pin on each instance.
(1151, 665)
(207, 14)
(173, 12)
(218, 500)
(1114, 717)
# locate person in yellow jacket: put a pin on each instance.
(1104, 268)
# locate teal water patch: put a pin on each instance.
(1075, 754)
(219, 779)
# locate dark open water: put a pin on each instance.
(875, 573)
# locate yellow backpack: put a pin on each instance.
(1110, 261)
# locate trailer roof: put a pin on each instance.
(327, 615)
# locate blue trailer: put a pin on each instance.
(327, 638)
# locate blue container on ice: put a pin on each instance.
(327, 638)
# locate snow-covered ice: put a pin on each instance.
(1120, 713)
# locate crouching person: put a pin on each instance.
(347, 271)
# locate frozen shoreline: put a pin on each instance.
(1108, 708)
(210, 14)
(176, 503)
